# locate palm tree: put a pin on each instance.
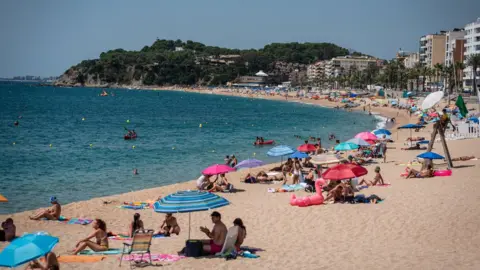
(438, 70)
(459, 67)
(474, 62)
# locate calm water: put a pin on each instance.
(170, 148)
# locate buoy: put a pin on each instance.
(213, 151)
(200, 125)
(133, 147)
(91, 145)
(83, 118)
(128, 121)
(50, 145)
(14, 143)
(254, 154)
(173, 148)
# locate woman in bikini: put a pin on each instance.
(242, 233)
(296, 171)
(377, 180)
(428, 172)
(100, 234)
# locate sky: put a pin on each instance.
(44, 38)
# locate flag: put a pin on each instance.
(461, 106)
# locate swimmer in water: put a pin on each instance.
(135, 171)
(16, 123)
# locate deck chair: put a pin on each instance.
(142, 239)
(230, 241)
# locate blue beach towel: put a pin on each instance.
(112, 251)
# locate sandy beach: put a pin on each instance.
(430, 223)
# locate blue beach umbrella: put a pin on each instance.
(358, 141)
(346, 146)
(26, 248)
(189, 201)
(281, 150)
(299, 155)
(430, 155)
(410, 126)
(249, 163)
(381, 131)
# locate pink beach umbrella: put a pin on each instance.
(366, 136)
(218, 169)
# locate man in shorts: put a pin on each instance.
(217, 235)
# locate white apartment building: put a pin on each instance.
(472, 46)
(342, 65)
(316, 71)
(411, 60)
(454, 42)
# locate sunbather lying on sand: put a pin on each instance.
(463, 158)
(52, 213)
(169, 226)
(416, 147)
(415, 138)
(428, 172)
(250, 179)
(377, 180)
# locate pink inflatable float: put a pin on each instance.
(310, 200)
(442, 173)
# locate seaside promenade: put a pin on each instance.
(430, 223)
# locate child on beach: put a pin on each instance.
(52, 213)
(169, 226)
(101, 236)
(8, 231)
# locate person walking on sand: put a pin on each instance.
(101, 236)
(52, 213)
(217, 235)
(169, 226)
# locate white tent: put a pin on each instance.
(261, 73)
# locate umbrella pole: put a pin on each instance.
(189, 225)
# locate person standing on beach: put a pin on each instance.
(217, 235)
(52, 213)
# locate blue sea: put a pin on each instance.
(69, 141)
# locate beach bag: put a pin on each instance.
(193, 248)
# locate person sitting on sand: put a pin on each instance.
(8, 231)
(217, 235)
(242, 233)
(52, 213)
(377, 180)
(203, 182)
(341, 193)
(51, 263)
(136, 224)
(249, 179)
(428, 172)
(100, 234)
(169, 226)
(220, 184)
(463, 158)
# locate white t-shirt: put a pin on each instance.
(200, 181)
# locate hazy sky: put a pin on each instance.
(45, 37)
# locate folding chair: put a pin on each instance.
(141, 242)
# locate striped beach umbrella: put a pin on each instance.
(281, 150)
(189, 201)
(381, 131)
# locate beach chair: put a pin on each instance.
(141, 242)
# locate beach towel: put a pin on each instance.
(112, 251)
(61, 219)
(293, 187)
(155, 257)
(78, 259)
(80, 221)
(126, 238)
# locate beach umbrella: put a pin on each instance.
(410, 126)
(381, 131)
(299, 154)
(217, 169)
(188, 202)
(430, 155)
(307, 148)
(281, 150)
(366, 136)
(432, 99)
(344, 171)
(249, 163)
(26, 248)
(359, 141)
(346, 146)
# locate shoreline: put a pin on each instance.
(379, 111)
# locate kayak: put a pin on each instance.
(128, 137)
(264, 142)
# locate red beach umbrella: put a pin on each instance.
(344, 171)
(307, 148)
(217, 169)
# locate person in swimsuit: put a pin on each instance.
(234, 161)
(136, 224)
(377, 180)
(428, 172)
(217, 235)
(242, 233)
(8, 231)
(52, 213)
(51, 263)
(296, 170)
(169, 226)
(100, 234)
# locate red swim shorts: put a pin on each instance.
(214, 248)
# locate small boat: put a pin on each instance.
(264, 142)
(130, 137)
